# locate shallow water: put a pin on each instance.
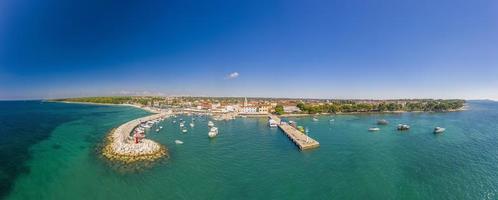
(51, 151)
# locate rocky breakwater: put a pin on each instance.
(121, 146)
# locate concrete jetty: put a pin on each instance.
(300, 139)
(121, 145)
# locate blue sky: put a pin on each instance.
(322, 49)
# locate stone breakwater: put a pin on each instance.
(120, 145)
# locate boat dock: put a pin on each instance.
(300, 139)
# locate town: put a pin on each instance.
(229, 107)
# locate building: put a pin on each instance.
(264, 109)
(249, 110)
(291, 109)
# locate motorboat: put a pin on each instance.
(403, 127)
(210, 124)
(300, 128)
(373, 129)
(178, 142)
(191, 124)
(382, 122)
(213, 132)
(184, 130)
(439, 129)
(157, 130)
(272, 123)
(315, 119)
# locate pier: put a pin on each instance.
(302, 140)
(121, 145)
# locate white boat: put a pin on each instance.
(182, 125)
(374, 129)
(161, 127)
(178, 142)
(157, 130)
(210, 124)
(403, 127)
(315, 119)
(382, 122)
(332, 120)
(191, 124)
(213, 132)
(272, 123)
(174, 121)
(439, 129)
(184, 130)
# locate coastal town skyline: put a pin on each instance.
(336, 50)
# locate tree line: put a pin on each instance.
(349, 106)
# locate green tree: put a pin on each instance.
(279, 109)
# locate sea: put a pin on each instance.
(51, 151)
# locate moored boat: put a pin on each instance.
(403, 127)
(178, 142)
(272, 123)
(373, 129)
(184, 130)
(439, 129)
(210, 124)
(300, 128)
(213, 132)
(382, 122)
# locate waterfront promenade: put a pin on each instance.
(302, 140)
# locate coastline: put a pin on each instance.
(464, 108)
(119, 145)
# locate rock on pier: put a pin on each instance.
(121, 146)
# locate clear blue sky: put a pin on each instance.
(322, 49)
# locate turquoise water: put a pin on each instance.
(54, 148)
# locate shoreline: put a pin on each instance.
(464, 108)
(119, 145)
(148, 109)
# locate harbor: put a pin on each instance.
(302, 140)
(122, 146)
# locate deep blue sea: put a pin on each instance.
(51, 151)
